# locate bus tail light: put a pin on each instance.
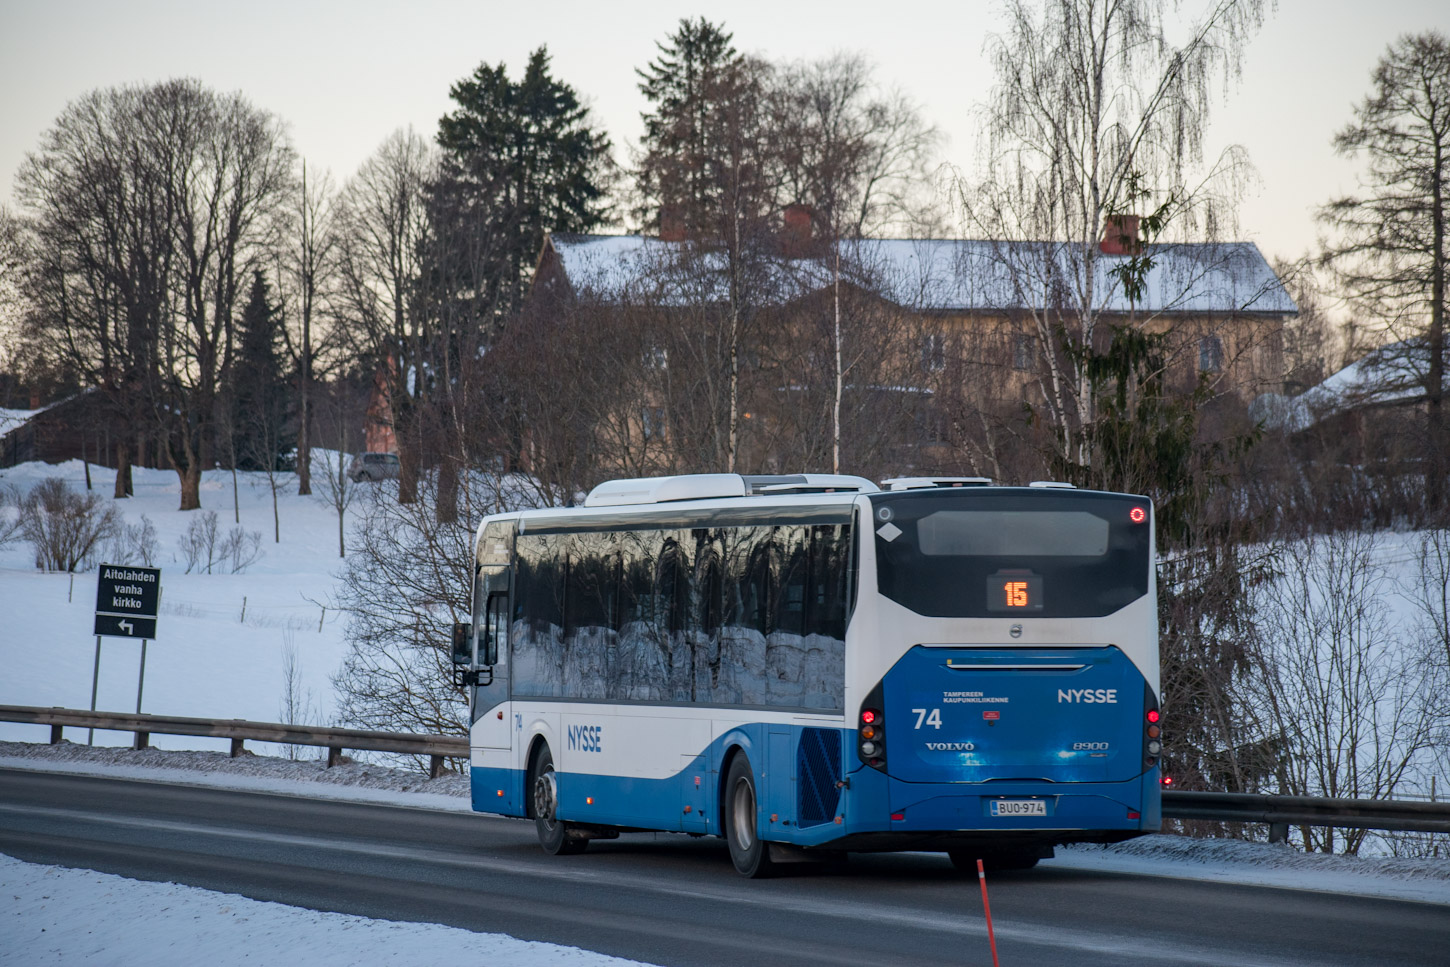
(871, 731)
(1152, 731)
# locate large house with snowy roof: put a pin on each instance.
(950, 324)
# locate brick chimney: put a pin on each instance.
(1120, 236)
(795, 235)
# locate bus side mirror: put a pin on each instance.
(462, 645)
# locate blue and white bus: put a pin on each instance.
(809, 665)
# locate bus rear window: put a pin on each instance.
(994, 553)
(1054, 533)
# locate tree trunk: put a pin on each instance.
(1435, 385)
(123, 470)
(190, 485)
(840, 377)
(447, 505)
(409, 445)
(188, 471)
(304, 442)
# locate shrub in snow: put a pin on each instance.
(407, 578)
(10, 529)
(203, 547)
(240, 549)
(198, 545)
(134, 544)
(66, 526)
(1347, 697)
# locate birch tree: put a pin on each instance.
(1097, 113)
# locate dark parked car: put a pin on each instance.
(374, 466)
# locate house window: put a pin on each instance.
(652, 420)
(657, 357)
(1023, 351)
(1210, 355)
(933, 352)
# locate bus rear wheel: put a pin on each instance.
(555, 836)
(749, 853)
(965, 860)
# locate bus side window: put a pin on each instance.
(827, 605)
(794, 580)
(755, 588)
(637, 578)
(672, 591)
(708, 592)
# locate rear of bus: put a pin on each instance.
(1003, 670)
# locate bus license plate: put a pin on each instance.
(1018, 807)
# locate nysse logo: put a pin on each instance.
(1088, 695)
(586, 738)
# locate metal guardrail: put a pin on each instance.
(1279, 812)
(436, 747)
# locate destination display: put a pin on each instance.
(1014, 591)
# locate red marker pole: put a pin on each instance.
(987, 908)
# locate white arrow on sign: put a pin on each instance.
(126, 626)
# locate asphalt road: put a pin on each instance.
(676, 901)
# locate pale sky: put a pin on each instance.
(343, 75)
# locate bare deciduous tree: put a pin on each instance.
(1097, 113)
(407, 580)
(1391, 252)
(1342, 694)
(150, 203)
(383, 222)
(309, 266)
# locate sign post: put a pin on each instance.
(95, 683)
(127, 602)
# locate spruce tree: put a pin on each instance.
(260, 394)
(521, 159)
(696, 87)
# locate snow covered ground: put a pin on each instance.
(64, 916)
(209, 659)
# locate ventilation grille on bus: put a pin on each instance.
(818, 769)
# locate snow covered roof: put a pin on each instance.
(1391, 374)
(949, 274)
(14, 419)
(10, 419)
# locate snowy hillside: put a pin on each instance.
(208, 659)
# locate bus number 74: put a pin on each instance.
(934, 719)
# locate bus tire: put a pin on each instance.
(555, 836)
(749, 853)
(965, 860)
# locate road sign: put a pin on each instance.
(128, 590)
(127, 601)
(125, 626)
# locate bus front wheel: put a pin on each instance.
(555, 835)
(749, 853)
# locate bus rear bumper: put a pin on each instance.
(885, 813)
